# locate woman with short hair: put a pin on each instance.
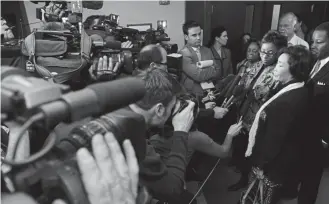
(276, 135)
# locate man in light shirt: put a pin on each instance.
(287, 25)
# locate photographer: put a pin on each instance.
(163, 180)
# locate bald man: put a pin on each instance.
(287, 25)
(152, 56)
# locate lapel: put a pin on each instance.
(194, 55)
(324, 70)
(224, 53)
(215, 54)
(202, 51)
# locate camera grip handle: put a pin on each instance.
(68, 183)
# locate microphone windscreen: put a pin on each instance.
(94, 5)
(238, 90)
(129, 30)
(96, 37)
(111, 43)
(119, 93)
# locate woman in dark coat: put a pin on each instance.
(276, 135)
(221, 54)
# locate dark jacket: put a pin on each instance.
(318, 128)
(224, 62)
(280, 135)
(319, 110)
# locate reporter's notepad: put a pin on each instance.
(207, 85)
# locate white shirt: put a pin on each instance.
(322, 63)
(295, 40)
(198, 53)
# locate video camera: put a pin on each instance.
(110, 25)
(32, 102)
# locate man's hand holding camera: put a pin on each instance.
(104, 69)
(108, 176)
(183, 121)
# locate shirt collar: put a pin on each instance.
(324, 61)
(293, 39)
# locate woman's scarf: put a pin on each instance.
(254, 127)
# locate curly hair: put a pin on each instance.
(299, 61)
(253, 40)
(278, 40)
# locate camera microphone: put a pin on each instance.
(108, 42)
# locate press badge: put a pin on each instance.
(207, 85)
(30, 66)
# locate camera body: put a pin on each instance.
(183, 100)
(110, 25)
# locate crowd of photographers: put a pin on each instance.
(178, 122)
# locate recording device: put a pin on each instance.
(110, 25)
(52, 172)
(69, 12)
(23, 96)
(111, 48)
(183, 99)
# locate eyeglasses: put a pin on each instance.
(269, 53)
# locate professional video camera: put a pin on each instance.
(110, 25)
(31, 102)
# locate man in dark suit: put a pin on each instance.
(318, 134)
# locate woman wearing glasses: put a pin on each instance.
(259, 87)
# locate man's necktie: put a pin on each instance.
(315, 69)
(198, 53)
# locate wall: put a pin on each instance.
(134, 12)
